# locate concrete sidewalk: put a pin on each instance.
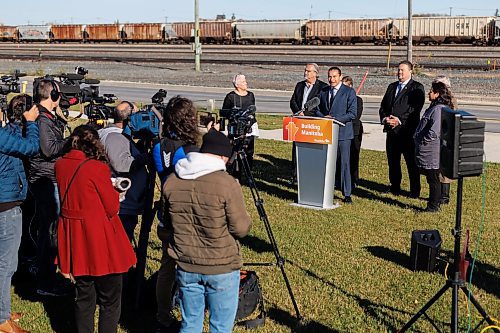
(374, 139)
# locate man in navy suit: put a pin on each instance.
(338, 101)
(400, 115)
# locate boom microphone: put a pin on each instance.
(91, 81)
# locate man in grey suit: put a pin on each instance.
(338, 101)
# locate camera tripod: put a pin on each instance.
(455, 281)
(259, 204)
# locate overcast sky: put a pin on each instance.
(108, 11)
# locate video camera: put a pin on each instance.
(98, 110)
(239, 122)
(8, 84)
(146, 123)
(75, 88)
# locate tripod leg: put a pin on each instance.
(263, 216)
(425, 308)
(478, 306)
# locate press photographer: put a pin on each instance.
(240, 100)
(13, 147)
(126, 161)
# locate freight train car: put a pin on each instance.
(33, 33)
(444, 30)
(347, 31)
(102, 33)
(496, 32)
(211, 32)
(143, 32)
(62, 33)
(169, 34)
(8, 33)
(269, 32)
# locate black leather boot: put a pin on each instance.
(445, 194)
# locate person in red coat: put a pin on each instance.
(93, 248)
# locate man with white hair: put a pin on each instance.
(304, 91)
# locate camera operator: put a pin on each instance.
(126, 161)
(43, 187)
(179, 137)
(13, 147)
(205, 209)
(240, 99)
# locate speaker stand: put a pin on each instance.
(454, 282)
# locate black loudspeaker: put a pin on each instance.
(425, 246)
(462, 144)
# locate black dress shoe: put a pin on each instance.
(348, 200)
(430, 209)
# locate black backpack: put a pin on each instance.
(250, 298)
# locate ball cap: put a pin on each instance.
(215, 142)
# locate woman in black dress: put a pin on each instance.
(240, 99)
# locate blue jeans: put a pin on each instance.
(220, 292)
(11, 226)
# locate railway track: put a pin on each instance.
(457, 57)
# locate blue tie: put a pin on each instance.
(332, 95)
(400, 87)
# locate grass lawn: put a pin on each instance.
(347, 267)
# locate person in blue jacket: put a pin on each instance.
(13, 148)
(179, 137)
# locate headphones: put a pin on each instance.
(54, 93)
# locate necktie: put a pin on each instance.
(333, 92)
(400, 87)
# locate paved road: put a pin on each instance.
(269, 101)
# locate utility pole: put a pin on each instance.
(329, 13)
(197, 45)
(409, 52)
(450, 10)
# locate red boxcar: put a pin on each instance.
(143, 32)
(102, 33)
(210, 31)
(67, 32)
(8, 33)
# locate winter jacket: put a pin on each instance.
(206, 211)
(13, 147)
(126, 161)
(91, 238)
(51, 144)
(427, 138)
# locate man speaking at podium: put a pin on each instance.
(338, 101)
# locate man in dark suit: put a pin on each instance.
(338, 101)
(400, 115)
(304, 91)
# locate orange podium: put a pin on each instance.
(316, 143)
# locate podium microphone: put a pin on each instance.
(309, 105)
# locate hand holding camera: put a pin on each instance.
(32, 113)
(121, 184)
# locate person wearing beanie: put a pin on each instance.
(205, 211)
